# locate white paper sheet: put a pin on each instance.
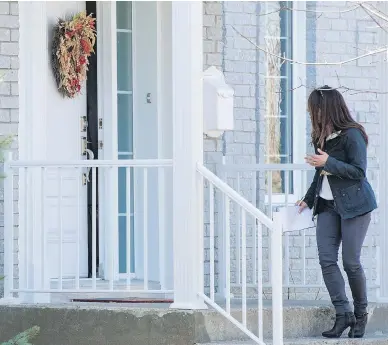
(294, 221)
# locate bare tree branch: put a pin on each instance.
(373, 18)
(374, 12)
(322, 12)
(338, 63)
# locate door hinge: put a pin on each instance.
(100, 123)
(100, 144)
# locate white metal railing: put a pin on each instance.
(301, 265)
(251, 220)
(47, 250)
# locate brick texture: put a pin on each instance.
(332, 35)
(9, 101)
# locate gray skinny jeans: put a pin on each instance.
(331, 230)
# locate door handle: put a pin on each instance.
(85, 176)
(84, 147)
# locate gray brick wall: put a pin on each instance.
(331, 36)
(213, 47)
(341, 36)
(9, 100)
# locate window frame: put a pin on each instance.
(299, 112)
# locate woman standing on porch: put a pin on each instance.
(343, 200)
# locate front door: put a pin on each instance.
(65, 193)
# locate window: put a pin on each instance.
(285, 114)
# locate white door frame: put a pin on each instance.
(107, 111)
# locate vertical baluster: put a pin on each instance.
(162, 228)
(227, 252)
(238, 232)
(270, 214)
(304, 257)
(113, 245)
(254, 235)
(43, 222)
(78, 254)
(303, 179)
(25, 230)
(286, 186)
(254, 249)
(287, 235)
(287, 258)
(32, 175)
(211, 225)
(60, 251)
(145, 226)
(94, 229)
(8, 228)
(260, 279)
(128, 220)
(244, 265)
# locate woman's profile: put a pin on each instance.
(342, 198)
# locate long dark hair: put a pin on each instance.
(329, 113)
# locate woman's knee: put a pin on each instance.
(327, 260)
(352, 265)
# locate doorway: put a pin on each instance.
(127, 98)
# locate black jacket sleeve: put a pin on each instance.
(310, 195)
(355, 167)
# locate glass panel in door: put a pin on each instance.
(125, 131)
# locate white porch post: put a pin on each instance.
(187, 68)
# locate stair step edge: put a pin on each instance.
(371, 339)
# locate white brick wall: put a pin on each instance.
(9, 100)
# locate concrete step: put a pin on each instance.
(368, 340)
(140, 324)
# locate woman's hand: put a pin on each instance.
(302, 205)
(317, 161)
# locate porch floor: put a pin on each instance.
(135, 290)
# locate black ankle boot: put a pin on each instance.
(342, 322)
(359, 328)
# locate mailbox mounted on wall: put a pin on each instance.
(217, 103)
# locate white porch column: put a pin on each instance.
(187, 68)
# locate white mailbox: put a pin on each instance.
(217, 103)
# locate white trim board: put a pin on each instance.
(383, 161)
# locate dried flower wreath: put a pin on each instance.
(73, 43)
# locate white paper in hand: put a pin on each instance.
(292, 220)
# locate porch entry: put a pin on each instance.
(124, 32)
(128, 126)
